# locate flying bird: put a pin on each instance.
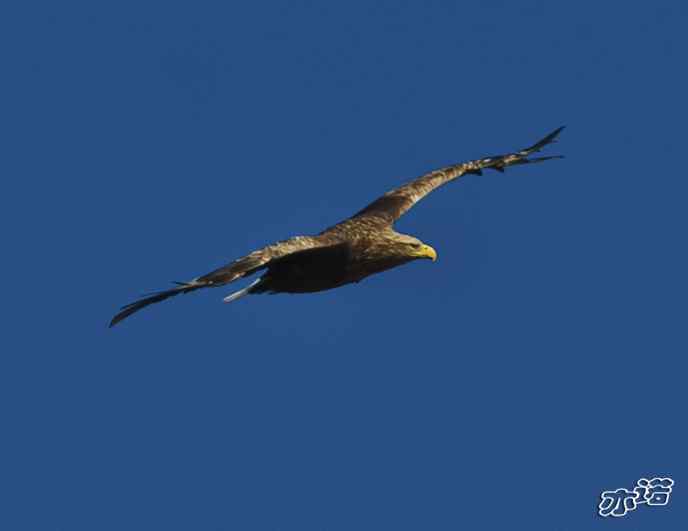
(360, 246)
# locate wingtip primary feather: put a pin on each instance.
(133, 307)
(549, 139)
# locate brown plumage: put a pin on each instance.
(360, 246)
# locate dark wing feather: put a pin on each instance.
(160, 296)
(387, 209)
(242, 267)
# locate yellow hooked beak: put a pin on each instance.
(427, 252)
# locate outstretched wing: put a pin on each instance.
(242, 267)
(391, 206)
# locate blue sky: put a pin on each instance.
(538, 362)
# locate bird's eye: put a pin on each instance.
(416, 245)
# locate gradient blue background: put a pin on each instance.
(540, 361)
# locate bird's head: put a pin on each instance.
(415, 249)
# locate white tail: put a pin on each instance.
(238, 294)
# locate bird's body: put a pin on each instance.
(363, 245)
(333, 259)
